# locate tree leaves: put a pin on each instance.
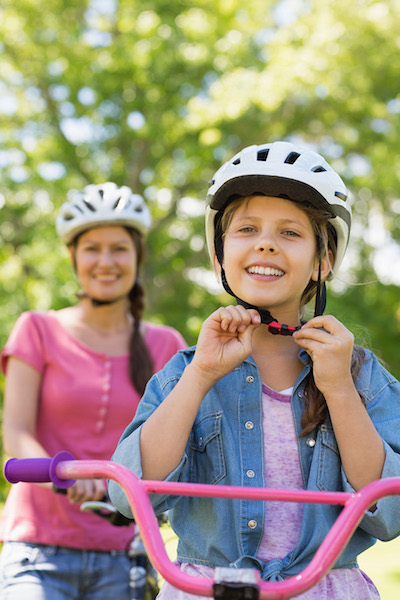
(156, 95)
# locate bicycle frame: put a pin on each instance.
(63, 469)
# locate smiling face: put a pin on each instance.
(106, 262)
(270, 254)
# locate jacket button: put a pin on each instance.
(250, 473)
(249, 424)
(250, 379)
(310, 442)
(252, 524)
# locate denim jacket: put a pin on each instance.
(226, 441)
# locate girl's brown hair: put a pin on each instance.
(315, 407)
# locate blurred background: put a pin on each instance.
(156, 95)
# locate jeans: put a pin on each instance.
(36, 572)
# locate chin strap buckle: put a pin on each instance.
(281, 329)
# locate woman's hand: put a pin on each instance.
(84, 490)
(330, 346)
(225, 340)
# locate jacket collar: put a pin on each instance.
(303, 356)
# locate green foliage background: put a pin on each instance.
(156, 95)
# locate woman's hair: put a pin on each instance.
(140, 360)
(315, 407)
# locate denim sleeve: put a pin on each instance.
(127, 452)
(382, 394)
(384, 522)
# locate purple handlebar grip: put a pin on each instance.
(37, 470)
(27, 469)
(61, 483)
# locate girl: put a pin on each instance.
(271, 400)
(74, 378)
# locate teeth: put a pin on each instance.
(265, 271)
(106, 277)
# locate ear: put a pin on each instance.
(326, 267)
(72, 255)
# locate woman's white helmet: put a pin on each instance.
(100, 205)
(281, 169)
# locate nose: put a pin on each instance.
(266, 244)
(105, 257)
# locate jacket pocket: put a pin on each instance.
(206, 455)
(329, 464)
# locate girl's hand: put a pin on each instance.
(84, 490)
(330, 346)
(224, 341)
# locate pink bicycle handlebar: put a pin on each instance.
(62, 468)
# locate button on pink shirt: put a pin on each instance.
(86, 402)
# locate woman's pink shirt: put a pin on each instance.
(86, 401)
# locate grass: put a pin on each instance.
(381, 563)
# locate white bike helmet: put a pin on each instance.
(104, 204)
(281, 169)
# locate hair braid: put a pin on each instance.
(140, 360)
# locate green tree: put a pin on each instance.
(156, 95)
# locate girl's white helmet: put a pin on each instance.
(286, 170)
(98, 205)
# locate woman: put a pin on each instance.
(74, 378)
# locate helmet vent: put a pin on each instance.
(341, 196)
(89, 205)
(116, 202)
(291, 158)
(101, 193)
(77, 208)
(262, 154)
(236, 162)
(318, 169)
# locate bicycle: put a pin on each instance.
(227, 584)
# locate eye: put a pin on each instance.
(247, 229)
(291, 233)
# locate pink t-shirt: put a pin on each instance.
(283, 519)
(86, 402)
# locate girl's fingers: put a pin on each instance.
(320, 335)
(237, 318)
(326, 323)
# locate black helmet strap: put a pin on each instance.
(320, 298)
